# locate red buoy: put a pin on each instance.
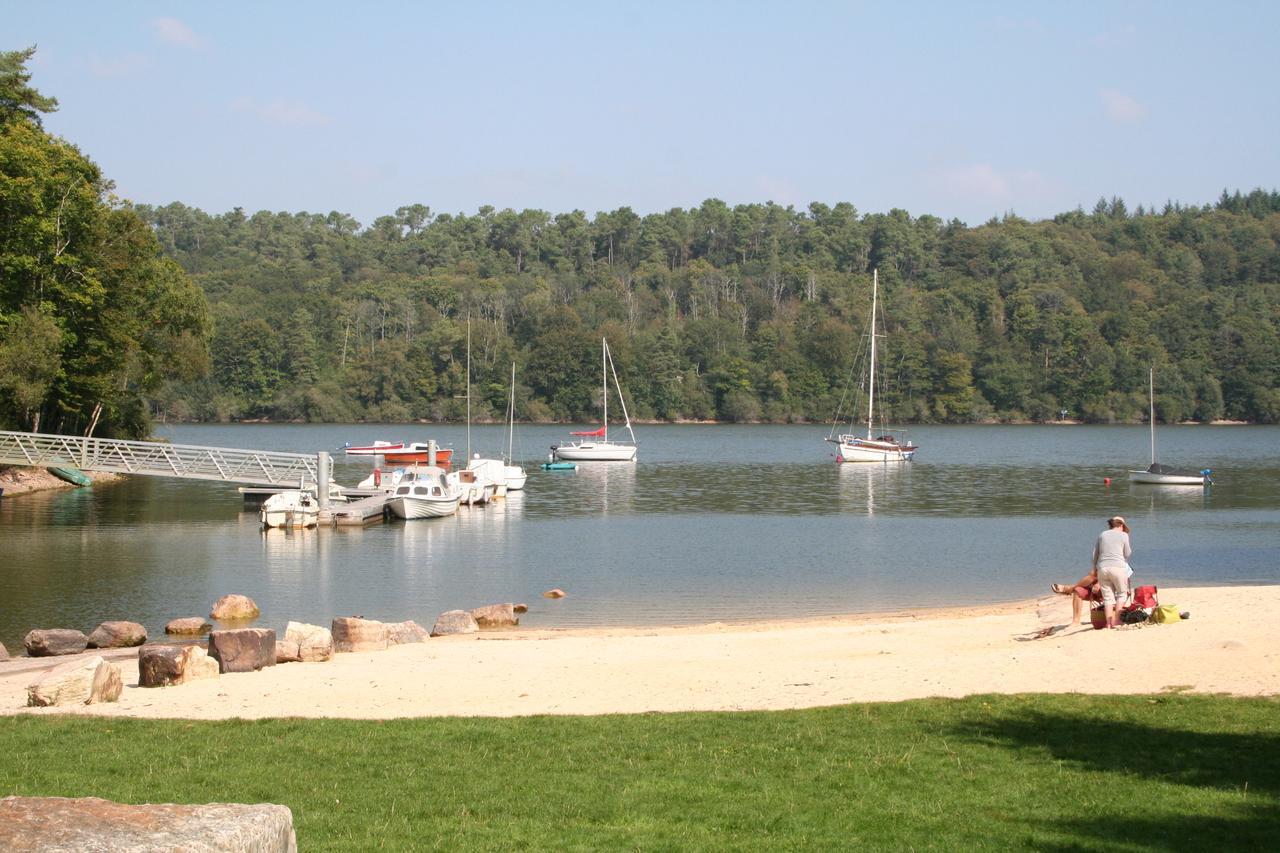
(1106, 481)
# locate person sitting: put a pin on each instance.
(1085, 589)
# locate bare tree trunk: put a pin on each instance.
(93, 422)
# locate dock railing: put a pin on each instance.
(160, 459)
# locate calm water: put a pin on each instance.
(714, 523)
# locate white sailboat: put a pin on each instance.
(515, 474)
(889, 445)
(1163, 475)
(603, 450)
(483, 479)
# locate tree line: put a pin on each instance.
(743, 313)
(111, 314)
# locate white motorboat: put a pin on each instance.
(290, 508)
(603, 450)
(376, 449)
(475, 490)
(425, 493)
(890, 445)
(1163, 475)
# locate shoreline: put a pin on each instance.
(1016, 647)
(18, 480)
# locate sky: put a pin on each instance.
(966, 110)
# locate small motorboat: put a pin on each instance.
(425, 493)
(291, 508)
(376, 449)
(559, 466)
(419, 452)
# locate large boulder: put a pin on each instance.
(353, 634)
(399, 633)
(117, 635)
(192, 626)
(161, 666)
(234, 608)
(46, 642)
(287, 651)
(496, 616)
(454, 622)
(243, 649)
(77, 682)
(89, 823)
(315, 643)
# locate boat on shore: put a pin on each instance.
(603, 450)
(67, 473)
(890, 445)
(1165, 475)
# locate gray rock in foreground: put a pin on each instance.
(77, 682)
(315, 643)
(399, 633)
(117, 635)
(496, 616)
(162, 666)
(47, 642)
(243, 649)
(454, 622)
(353, 634)
(88, 823)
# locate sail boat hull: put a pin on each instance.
(853, 449)
(1156, 479)
(594, 451)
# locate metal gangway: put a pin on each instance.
(160, 459)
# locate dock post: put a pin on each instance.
(431, 452)
(322, 479)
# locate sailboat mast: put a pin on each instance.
(604, 383)
(871, 387)
(1151, 390)
(511, 416)
(468, 389)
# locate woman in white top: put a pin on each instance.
(1111, 565)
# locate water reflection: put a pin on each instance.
(859, 484)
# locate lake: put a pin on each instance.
(714, 523)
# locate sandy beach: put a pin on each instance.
(1229, 645)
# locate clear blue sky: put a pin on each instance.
(965, 110)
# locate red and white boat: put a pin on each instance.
(419, 451)
(375, 449)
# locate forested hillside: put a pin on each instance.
(92, 316)
(738, 313)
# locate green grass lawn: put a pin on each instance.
(996, 772)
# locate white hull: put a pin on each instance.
(290, 509)
(515, 477)
(1166, 479)
(409, 507)
(595, 451)
(861, 450)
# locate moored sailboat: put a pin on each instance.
(1164, 475)
(603, 450)
(890, 445)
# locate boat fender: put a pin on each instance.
(377, 477)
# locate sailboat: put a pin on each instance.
(1163, 475)
(603, 450)
(889, 445)
(514, 474)
(482, 479)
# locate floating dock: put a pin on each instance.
(368, 510)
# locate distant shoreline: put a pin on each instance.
(1067, 422)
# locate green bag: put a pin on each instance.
(1166, 613)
